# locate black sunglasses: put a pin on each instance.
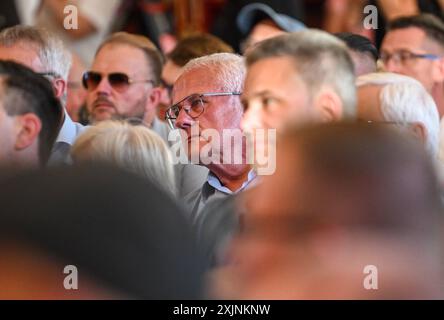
(119, 81)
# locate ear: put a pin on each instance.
(329, 106)
(152, 102)
(153, 99)
(419, 131)
(59, 86)
(29, 127)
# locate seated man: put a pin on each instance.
(361, 208)
(414, 46)
(394, 98)
(208, 111)
(29, 117)
(303, 77)
(362, 51)
(124, 79)
(44, 53)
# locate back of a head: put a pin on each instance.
(153, 56)
(228, 69)
(117, 229)
(131, 147)
(430, 24)
(359, 43)
(320, 59)
(370, 177)
(404, 100)
(363, 52)
(50, 50)
(195, 46)
(24, 91)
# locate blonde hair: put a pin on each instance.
(131, 147)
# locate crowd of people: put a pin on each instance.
(283, 172)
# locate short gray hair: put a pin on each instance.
(228, 68)
(405, 100)
(319, 58)
(135, 148)
(54, 57)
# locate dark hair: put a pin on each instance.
(28, 92)
(153, 55)
(359, 43)
(431, 25)
(195, 46)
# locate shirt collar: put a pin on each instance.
(68, 132)
(216, 184)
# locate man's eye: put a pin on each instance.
(195, 103)
(405, 55)
(267, 101)
(245, 105)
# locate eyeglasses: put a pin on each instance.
(194, 105)
(119, 81)
(404, 56)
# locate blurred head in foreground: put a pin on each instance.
(360, 209)
(126, 238)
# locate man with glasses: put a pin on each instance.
(188, 48)
(206, 106)
(301, 77)
(414, 46)
(44, 53)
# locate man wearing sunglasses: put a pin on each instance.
(124, 79)
(414, 46)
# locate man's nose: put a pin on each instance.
(104, 86)
(183, 120)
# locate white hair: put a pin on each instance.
(50, 49)
(228, 68)
(135, 148)
(404, 100)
